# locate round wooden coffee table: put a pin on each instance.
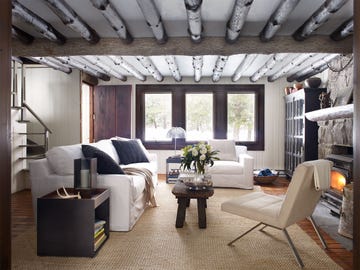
(183, 195)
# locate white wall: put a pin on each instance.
(273, 155)
(55, 97)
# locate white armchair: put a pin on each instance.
(235, 167)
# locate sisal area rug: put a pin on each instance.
(155, 243)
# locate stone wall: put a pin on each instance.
(340, 84)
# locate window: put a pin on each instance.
(204, 111)
(157, 116)
(199, 116)
(241, 117)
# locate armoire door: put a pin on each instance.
(112, 111)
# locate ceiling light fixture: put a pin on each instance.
(318, 18)
(150, 67)
(344, 30)
(43, 27)
(173, 67)
(86, 68)
(193, 11)
(71, 19)
(197, 65)
(219, 67)
(97, 61)
(51, 62)
(270, 63)
(235, 23)
(119, 61)
(318, 66)
(278, 17)
(113, 17)
(245, 62)
(153, 19)
(297, 61)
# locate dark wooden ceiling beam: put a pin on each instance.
(183, 46)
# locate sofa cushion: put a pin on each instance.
(226, 167)
(105, 163)
(107, 147)
(61, 158)
(129, 152)
(226, 149)
(146, 152)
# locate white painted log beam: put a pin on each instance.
(337, 112)
(182, 46)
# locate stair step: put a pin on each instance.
(31, 133)
(33, 157)
(23, 121)
(31, 145)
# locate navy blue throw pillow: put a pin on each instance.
(129, 152)
(105, 164)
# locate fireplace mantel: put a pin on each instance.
(338, 112)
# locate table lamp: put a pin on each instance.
(176, 132)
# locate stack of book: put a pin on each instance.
(99, 233)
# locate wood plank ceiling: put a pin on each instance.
(295, 39)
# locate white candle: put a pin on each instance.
(84, 178)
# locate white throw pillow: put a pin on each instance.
(226, 149)
(107, 147)
(61, 158)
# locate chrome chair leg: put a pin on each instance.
(293, 248)
(257, 225)
(316, 228)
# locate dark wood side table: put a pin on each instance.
(183, 195)
(65, 227)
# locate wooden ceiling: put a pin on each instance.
(295, 39)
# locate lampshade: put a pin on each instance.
(176, 132)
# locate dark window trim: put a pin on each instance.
(220, 111)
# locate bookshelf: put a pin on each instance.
(66, 227)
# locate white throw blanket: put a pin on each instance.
(149, 185)
(322, 173)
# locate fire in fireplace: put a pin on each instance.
(341, 175)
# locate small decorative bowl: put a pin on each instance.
(313, 82)
(197, 185)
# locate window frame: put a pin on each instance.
(219, 111)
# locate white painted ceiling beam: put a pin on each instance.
(279, 16)
(70, 61)
(219, 67)
(275, 58)
(119, 61)
(245, 63)
(296, 62)
(99, 62)
(21, 35)
(173, 67)
(318, 18)
(52, 62)
(197, 65)
(313, 69)
(150, 67)
(193, 11)
(238, 17)
(71, 19)
(43, 27)
(153, 19)
(114, 19)
(344, 30)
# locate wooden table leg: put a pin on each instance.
(187, 202)
(180, 217)
(201, 204)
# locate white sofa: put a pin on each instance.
(235, 167)
(127, 192)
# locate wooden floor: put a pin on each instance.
(22, 219)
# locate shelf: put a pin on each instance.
(338, 112)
